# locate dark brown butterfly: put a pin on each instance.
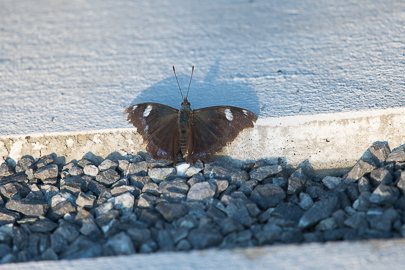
(195, 134)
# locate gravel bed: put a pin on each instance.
(126, 204)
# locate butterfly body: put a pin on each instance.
(195, 134)
(185, 127)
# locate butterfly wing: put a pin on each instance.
(158, 126)
(214, 127)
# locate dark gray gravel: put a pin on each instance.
(134, 204)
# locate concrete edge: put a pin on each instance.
(371, 254)
(329, 141)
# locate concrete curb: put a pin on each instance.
(329, 141)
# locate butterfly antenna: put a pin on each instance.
(191, 77)
(175, 75)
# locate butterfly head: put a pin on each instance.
(185, 104)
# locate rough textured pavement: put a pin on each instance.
(74, 65)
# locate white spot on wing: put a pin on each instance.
(245, 112)
(146, 129)
(134, 107)
(228, 114)
(147, 111)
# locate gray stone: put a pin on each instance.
(268, 234)
(62, 208)
(204, 237)
(201, 191)
(384, 194)
(196, 178)
(43, 225)
(124, 202)
(238, 177)
(222, 185)
(359, 170)
(77, 170)
(268, 195)
(121, 182)
(121, 244)
(103, 208)
(253, 209)
(160, 174)
(139, 181)
(146, 200)
(171, 211)
(305, 201)
(194, 169)
(83, 162)
(123, 189)
(239, 212)
(24, 164)
(357, 221)
(286, 214)
(7, 216)
(382, 220)
(14, 190)
(49, 255)
(82, 248)
(397, 155)
(73, 188)
(96, 187)
(280, 181)
(91, 170)
(5, 170)
(27, 207)
(364, 185)
(45, 160)
(85, 200)
(151, 188)
(165, 240)
(380, 151)
(137, 168)
(148, 247)
(234, 175)
(174, 190)
(263, 172)
(212, 171)
(320, 210)
(63, 235)
(139, 235)
(401, 182)
(362, 203)
(229, 225)
(331, 182)
(108, 177)
(381, 176)
(183, 245)
(61, 197)
(107, 164)
(296, 182)
(327, 224)
(47, 172)
(89, 228)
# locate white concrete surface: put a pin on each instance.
(74, 65)
(375, 254)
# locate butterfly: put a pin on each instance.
(195, 134)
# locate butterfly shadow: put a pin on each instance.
(203, 93)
